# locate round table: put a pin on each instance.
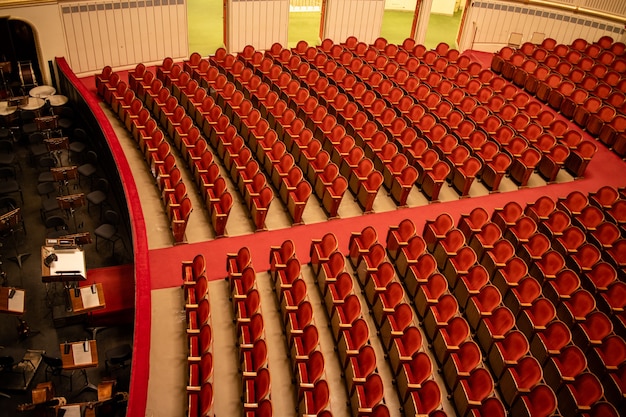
(57, 100)
(34, 103)
(5, 110)
(42, 91)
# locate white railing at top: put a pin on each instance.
(305, 3)
(614, 7)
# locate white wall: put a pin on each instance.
(443, 7)
(360, 18)
(406, 5)
(46, 22)
(259, 23)
(122, 33)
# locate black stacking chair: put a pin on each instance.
(37, 146)
(55, 226)
(8, 182)
(7, 154)
(118, 357)
(54, 367)
(108, 229)
(78, 143)
(99, 195)
(89, 168)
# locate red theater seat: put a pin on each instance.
(540, 402)
(473, 222)
(507, 352)
(449, 338)
(439, 314)
(425, 400)
(520, 379)
(535, 318)
(368, 395)
(359, 367)
(580, 395)
(420, 273)
(404, 348)
(471, 392)
(413, 374)
(551, 341)
(460, 363)
(494, 327)
(482, 305)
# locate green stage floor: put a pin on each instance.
(205, 27)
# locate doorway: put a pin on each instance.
(305, 20)
(19, 61)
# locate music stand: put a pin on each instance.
(79, 239)
(57, 145)
(47, 124)
(70, 203)
(64, 174)
(8, 223)
(19, 101)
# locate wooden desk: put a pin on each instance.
(69, 266)
(86, 301)
(77, 358)
(14, 305)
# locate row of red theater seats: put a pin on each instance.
(562, 395)
(587, 89)
(385, 116)
(187, 139)
(418, 392)
(253, 354)
(363, 384)
(192, 145)
(288, 179)
(199, 337)
(351, 334)
(517, 145)
(475, 71)
(155, 150)
(522, 169)
(272, 107)
(602, 355)
(303, 135)
(292, 83)
(612, 338)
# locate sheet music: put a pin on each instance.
(90, 299)
(71, 410)
(80, 356)
(17, 302)
(68, 260)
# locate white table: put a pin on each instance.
(42, 91)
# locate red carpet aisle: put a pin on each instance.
(605, 169)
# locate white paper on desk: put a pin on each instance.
(71, 410)
(80, 356)
(90, 299)
(17, 302)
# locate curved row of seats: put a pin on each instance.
(163, 98)
(544, 320)
(421, 80)
(585, 82)
(528, 297)
(136, 117)
(199, 338)
(253, 356)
